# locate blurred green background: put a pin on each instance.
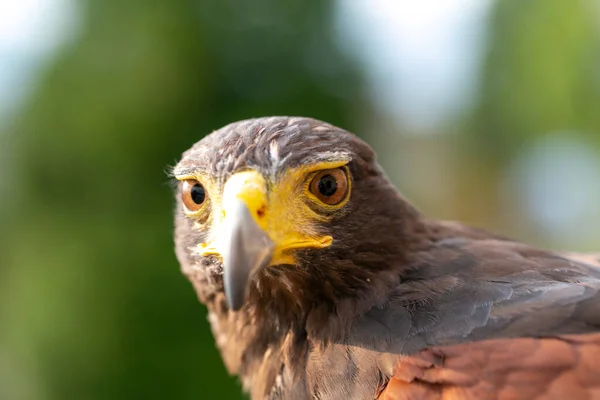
(483, 111)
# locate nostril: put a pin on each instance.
(260, 212)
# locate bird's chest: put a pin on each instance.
(266, 372)
(331, 373)
(319, 372)
(347, 372)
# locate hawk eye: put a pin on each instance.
(193, 194)
(330, 186)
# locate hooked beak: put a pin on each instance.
(245, 249)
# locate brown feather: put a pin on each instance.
(399, 306)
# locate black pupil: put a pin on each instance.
(198, 194)
(327, 185)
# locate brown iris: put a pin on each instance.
(193, 194)
(330, 186)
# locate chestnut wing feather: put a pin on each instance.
(552, 368)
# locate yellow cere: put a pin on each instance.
(283, 212)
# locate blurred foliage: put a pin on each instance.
(93, 304)
(539, 78)
(540, 75)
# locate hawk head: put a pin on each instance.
(286, 215)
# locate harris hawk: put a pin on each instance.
(323, 282)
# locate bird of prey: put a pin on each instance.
(323, 282)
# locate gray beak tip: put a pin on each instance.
(248, 250)
(235, 301)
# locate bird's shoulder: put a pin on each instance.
(478, 314)
(467, 285)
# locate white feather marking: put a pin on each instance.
(222, 340)
(293, 121)
(321, 128)
(213, 319)
(333, 155)
(274, 151)
(276, 160)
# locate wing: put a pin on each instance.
(464, 290)
(558, 368)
